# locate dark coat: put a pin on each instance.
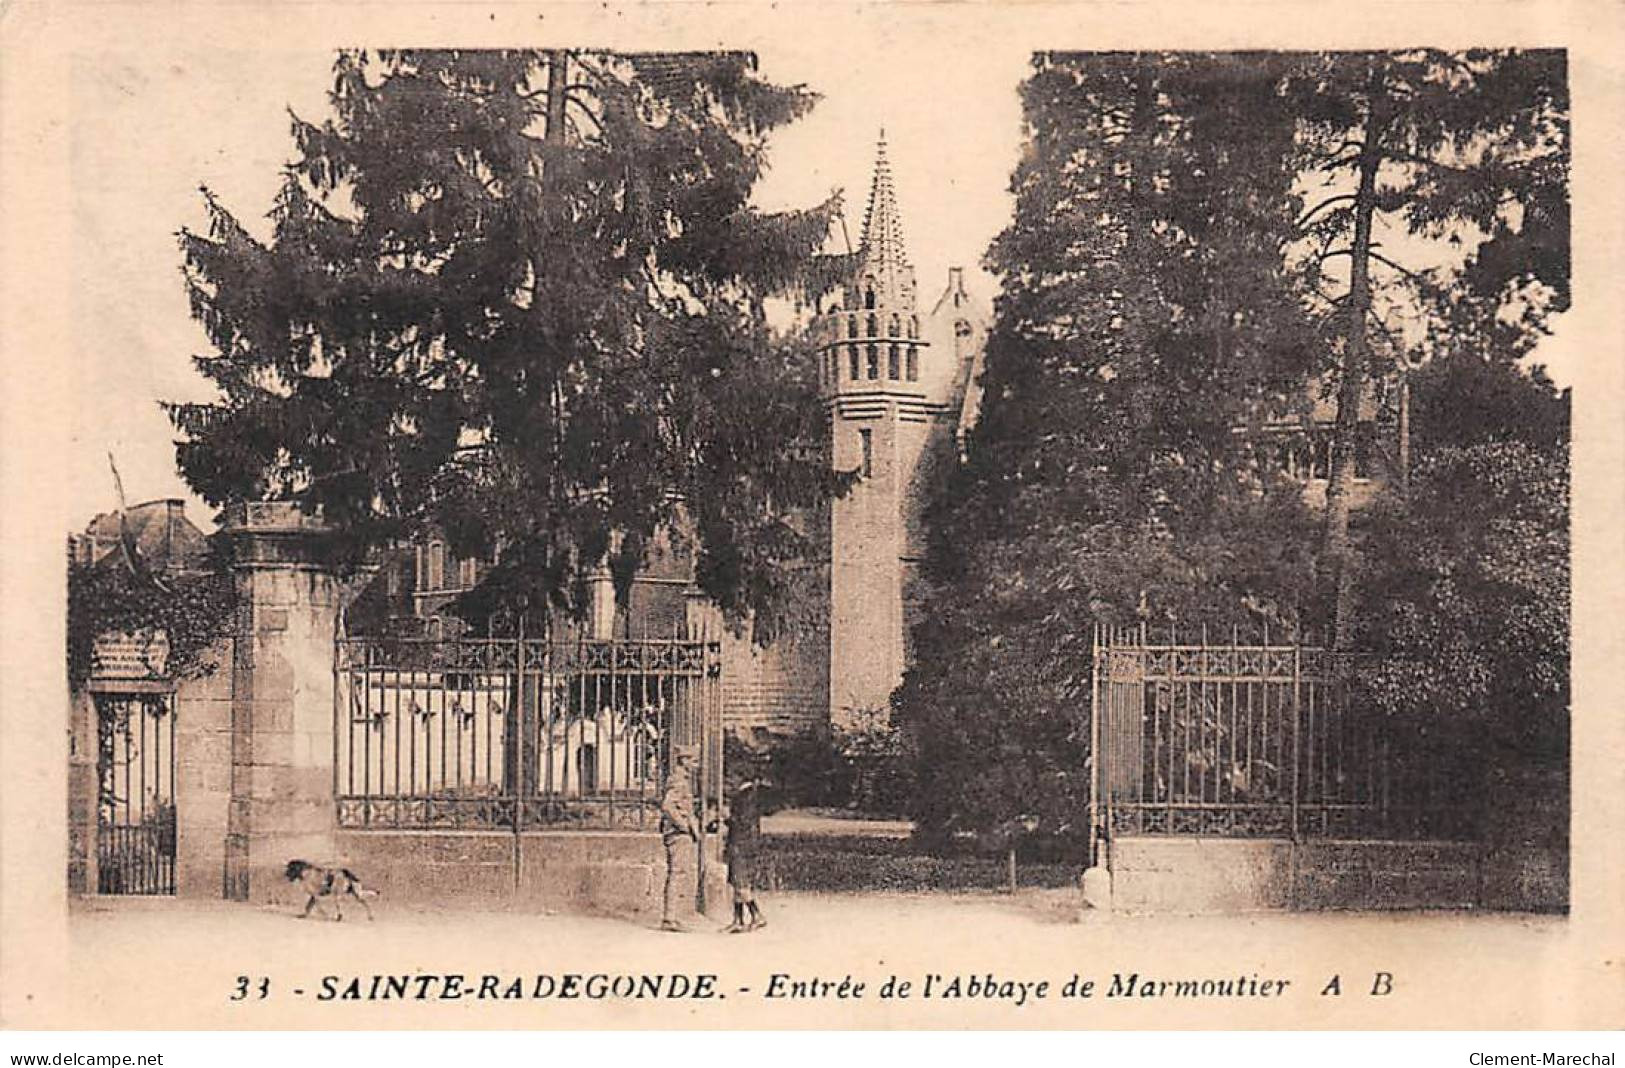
(744, 842)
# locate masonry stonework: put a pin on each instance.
(281, 739)
(895, 383)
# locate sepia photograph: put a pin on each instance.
(916, 521)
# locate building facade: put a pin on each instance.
(895, 374)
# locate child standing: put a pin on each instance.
(742, 850)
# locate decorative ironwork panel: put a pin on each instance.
(518, 733)
(1234, 739)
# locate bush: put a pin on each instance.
(861, 766)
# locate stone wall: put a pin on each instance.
(281, 778)
(254, 782)
(780, 689)
(81, 794)
(1218, 875)
(609, 873)
(203, 778)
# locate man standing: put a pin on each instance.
(677, 822)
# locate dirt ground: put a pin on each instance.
(163, 964)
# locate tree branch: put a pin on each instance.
(1419, 279)
(1303, 219)
(1401, 156)
(586, 113)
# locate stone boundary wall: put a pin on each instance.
(1217, 875)
(613, 873)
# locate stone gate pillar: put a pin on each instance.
(281, 782)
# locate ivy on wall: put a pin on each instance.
(193, 609)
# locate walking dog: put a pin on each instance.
(336, 883)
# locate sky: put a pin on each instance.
(152, 126)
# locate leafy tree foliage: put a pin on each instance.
(517, 297)
(1461, 400)
(1468, 612)
(1436, 146)
(192, 609)
(1464, 610)
(1147, 312)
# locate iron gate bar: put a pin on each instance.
(1245, 739)
(136, 828)
(582, 737)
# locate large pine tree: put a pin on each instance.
(1147, 313)
(517, 296)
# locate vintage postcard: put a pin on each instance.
(888, 515)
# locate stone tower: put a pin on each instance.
(894, 386)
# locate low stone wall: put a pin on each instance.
(607, 873)
(1209, 875)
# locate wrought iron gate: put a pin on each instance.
(519, 733)
(1236, 739)
(135, 810)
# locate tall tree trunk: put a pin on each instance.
(1337, 550)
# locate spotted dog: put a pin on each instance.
(336, 883)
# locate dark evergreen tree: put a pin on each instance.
(1147, 313)
(517, 296)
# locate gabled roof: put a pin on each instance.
(160, 531)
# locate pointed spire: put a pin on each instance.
(882, 226)
(884, 258)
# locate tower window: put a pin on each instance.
(913, 326)
(437, 566)
(869, 303)
(893, 372)
(874, 327)
(895, 327)
(961, 328)
(867, 438)
(913, 363)
(851, 326)
(874, 361)
(852, 352)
